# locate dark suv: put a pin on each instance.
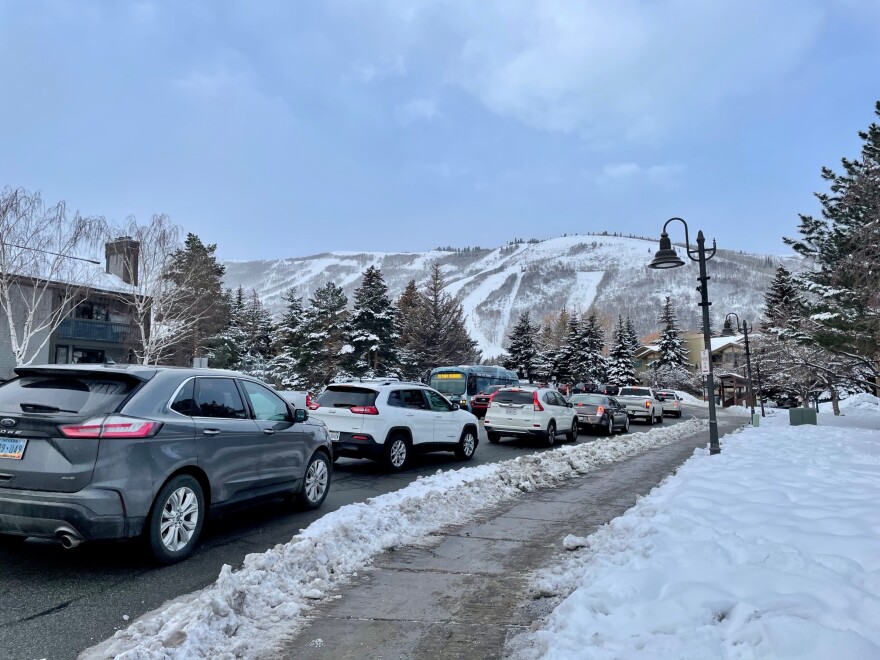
(97, 452)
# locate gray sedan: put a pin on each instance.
(600, 412)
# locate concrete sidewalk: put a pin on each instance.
(462, 593)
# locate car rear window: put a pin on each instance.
(519, 397)
(592, 399)
(635, 391)
(75, 394)
(347, 397)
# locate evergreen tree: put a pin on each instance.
(409, 310)
(373, 334)
(226, 348)
(522, 351)
(195, 270)
(620, 361)
(843, 245)
(255, 323)
(570, 366)
(440, 337)
(592, 344)
(324, 331)
(783, 303)
(672, 349)
(632, 336)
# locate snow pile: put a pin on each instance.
(768, 550)
(862, 403)
(248, 610)
(690, 399)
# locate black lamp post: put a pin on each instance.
(729, 332)
(667, 257)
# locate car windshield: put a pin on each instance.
(519, 397)
(347, 397)
(591, 399)
(635, 391)
(449, 382)
(82, 394)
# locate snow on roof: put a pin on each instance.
(720, 343)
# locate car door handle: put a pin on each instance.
(211, 431)
(269, 431)
(410, 414)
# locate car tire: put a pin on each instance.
(609, 429)
(494, 438)
(551, 434)
(397, 451)
(678, 414)
(572, 435)
(626, 425)
(660, 419)
(467, 445)
(179, 508)
(316, 482)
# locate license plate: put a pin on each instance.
(334, 435)
(13, 449)
(512, 411)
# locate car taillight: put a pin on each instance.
(313, 405)
(647, 404)
(308, 401)
(364, 410)
(538, 406)
(600, 410)
(114, 426)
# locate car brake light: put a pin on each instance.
(600, 410)
(364, 410)
(308, 400)
(313, 405)
(647, 404)
(538, 406)
(114, 426)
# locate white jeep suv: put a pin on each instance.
(538, 412)
(389, 420)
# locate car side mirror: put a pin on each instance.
(300, 415)
(570, 404)
(455, 406)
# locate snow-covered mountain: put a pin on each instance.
(494, 286)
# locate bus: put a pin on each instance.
(460, 383)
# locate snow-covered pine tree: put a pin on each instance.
(373, 335)
(409, 309)
(570, 365)
(672, 349)
(440, 336)
(784, 306)
(522, 350)
(324, 347)
(283, 367)
(843, 246)
(226, 348)
(592, 343)
(620, 360)
(632, 336)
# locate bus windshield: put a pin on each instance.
(449, 382)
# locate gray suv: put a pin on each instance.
(119, 451)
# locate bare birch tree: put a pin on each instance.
(159, 304)
(43, 272)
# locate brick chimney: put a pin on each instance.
(122, 258)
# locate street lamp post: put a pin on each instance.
(667, 257)
(760, 389)
(728, 332)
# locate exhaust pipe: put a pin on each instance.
(68, 541)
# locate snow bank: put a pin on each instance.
(247, 611)
(768, 550)
(861, 402)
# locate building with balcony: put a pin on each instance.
(98, 323)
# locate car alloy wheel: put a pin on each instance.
(176, 519)
(551, 434)
(397, 453)
(317, 481)
(466, 446)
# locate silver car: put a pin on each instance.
(671, 402)
(120, 451)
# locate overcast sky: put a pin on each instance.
(290, 128)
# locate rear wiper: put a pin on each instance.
(39, 407)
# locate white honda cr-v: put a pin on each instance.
(389, 420)
(539, 412)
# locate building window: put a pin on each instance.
(61, 354)
(88, 356)
(92, 311)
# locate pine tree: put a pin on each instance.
(672, 349)
(784, 305)
(632, 336)
(195, 269)
(570, 364)
(324, 331)
(592, 363)
(844, 247)
(373, 334)
(255, 323)
(522, 350)
(620, 361)
(439, 336)
(226, 348)
(409, 309)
